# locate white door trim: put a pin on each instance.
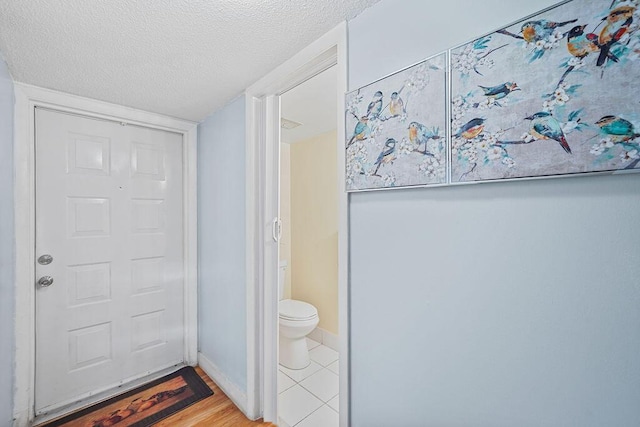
(27, 98)
(262, 330)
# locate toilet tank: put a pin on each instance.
(281, 278)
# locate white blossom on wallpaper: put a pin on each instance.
(553, 94)
(396, 129)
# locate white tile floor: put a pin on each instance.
(309, 397)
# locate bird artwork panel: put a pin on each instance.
(553, 94)
(396, 129)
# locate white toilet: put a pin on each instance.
(296, 319)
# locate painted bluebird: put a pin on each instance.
(618, 22)
(545, 126)
(375, 106)
(533, 31)
(471, 129)
(387, 154)
(361, 131)
(419, 134)
(617, 129)
(500, 91)
(396, 105)
(580, 44)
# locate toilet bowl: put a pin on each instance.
(296, 320)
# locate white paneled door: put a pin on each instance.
(109, 251)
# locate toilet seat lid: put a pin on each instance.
(296, 310)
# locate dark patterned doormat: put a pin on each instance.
(142, 406)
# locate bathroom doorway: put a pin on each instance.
(263, 220)
(308, 333)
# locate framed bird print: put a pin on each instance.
(554, 94)
(396, 129)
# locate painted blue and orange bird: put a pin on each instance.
(617, 129)
(361, 131)
(500, 91)
(533, 31)
(420, 134)
(580, 44)
(387, 155)
(375, 106)
(471, 129)
(396, 105)
(618, 22)
(545, 126)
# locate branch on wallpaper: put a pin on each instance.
(525, 101)
(487, 54)
(507, 33)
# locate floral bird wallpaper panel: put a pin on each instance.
(396, 129)
(558, 93)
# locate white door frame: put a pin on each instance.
(262, 290)
(27, 98)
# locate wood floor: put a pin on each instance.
(215, 411)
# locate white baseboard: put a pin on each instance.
(237, 396)
(325, 337)
(316, 335)
(331, 340)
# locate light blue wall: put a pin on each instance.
(7, 344)
(221, 241)
(504, 304)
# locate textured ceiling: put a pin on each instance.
(183, 58)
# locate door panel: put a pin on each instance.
(109, 211)
(272, 254)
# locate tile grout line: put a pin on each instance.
(318, 397)
(284, 373)
(293, 379)
(313, 412)
(307, 416)
(299, 383)
(294, 384)
(327, 369)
